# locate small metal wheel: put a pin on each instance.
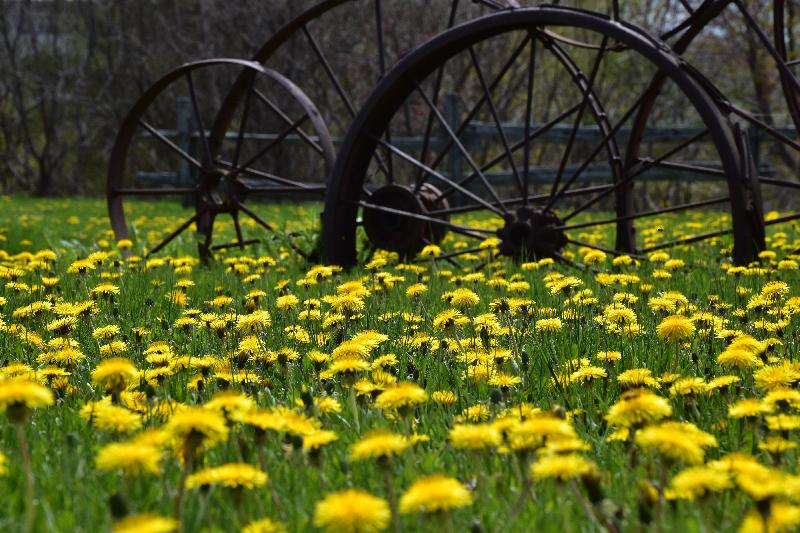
(534, 160)
(279, 146)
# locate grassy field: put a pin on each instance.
(265, 394)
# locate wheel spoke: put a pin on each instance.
(767, 44)
(165, 191)
(587, 95)
(475, 108)
(267, 176)
(687, 240)
(601, 248)
(449, 255)
(781, 220)
(237, 227)
(766, 127)
(263, 223)
(243, 122)
(263, 151)
(779, 183)
(644, 214)
(288, 121)
(169, 238)
(174, 147)
(544, 128)
(491, 207)
(436, 90)
(337, 85)
(528, 119)
(597, 149)
(473, 231)
(278, 190)
(464, 152)
(487, 95)
(199, 119)
(511, 202)
(234, 244)
(691, 168)
(630, 177)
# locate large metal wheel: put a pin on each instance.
(151, 159)
(585, 187)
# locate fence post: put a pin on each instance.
(183, 139)
(455, 163)
(755, 148)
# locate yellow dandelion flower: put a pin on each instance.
(131, 458)
(145, 523)
(265, 525)
(231, 475)
(402, 396)
(675, 328)
(679, 441)
(433, 494)
(637, 408)
(351, 511)
(475, 436)
(115, 374)
(378, 444)
(562, 467)
(695, 482)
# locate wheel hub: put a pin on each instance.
(388, 227)
(220, 191)
(533, 234)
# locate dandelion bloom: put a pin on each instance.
(435, 493)
(231, 475)
(114, 374)
(695, 482)
(197, 426)
(131, 458)
(315, 439)
(18, 396)
(464, 298)
(562, 467)
(404, 395)
(449, 318)
(352, 511)
(780, 516)
(255, 321)
(748, 408)
(265, 525)
(549, 325)
(675, 328)
(638, 407)
(145, 523)
(536, 431)
(679, 441)
(475, 436)
(115, 418)
(378, 445)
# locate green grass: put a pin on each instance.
(72, 495)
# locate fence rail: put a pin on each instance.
(185, 136)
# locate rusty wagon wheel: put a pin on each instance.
(151, 159)
(541, 194)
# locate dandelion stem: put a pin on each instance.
(354, 408)
(28, 471)
(387, 476)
